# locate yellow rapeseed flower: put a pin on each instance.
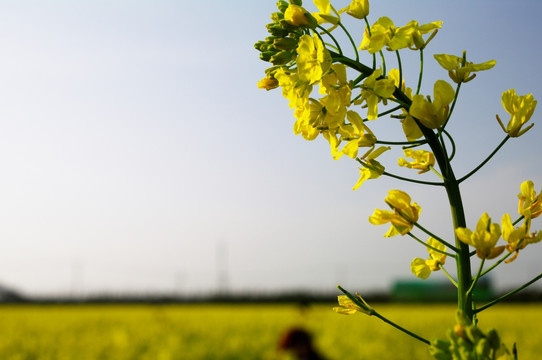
(268, 83)
(483, 239)
(357, 8)
(410, 35)
(402, 218)
(423, 160)
(307, 115)
(518, 238)
(373, 168)
(384, 33)
(375, 90)
(313, 59)
(423, 268)
(357, 134)
(459, 69)
(520, 108)
(419, 30)
(338, 94)
(377, 36)
(297, 16)
(433, 114)
(530, 204)
(349, 307)
(324, 16)
(296, 91)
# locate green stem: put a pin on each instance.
(370, 311)
(390, 111)
(436, 172)
(452, 280)
(409, 143)
(464, 276)
(504, 257)
(453, 105)
(369, 31)
(351, 40)
(356, 98)
(436, 237)
(478, 275)
(383, 62)
(429, 246)
(451, 142)
(412, 180)
(480, 309)
(400, 86)
(421, 73)
(518, 220)
(400, 177)
(410, 333)
(485, 161)
(403, 104)
(332, 38)
(355, 65)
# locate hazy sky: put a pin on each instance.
(137, 153)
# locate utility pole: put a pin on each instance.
(222, 267)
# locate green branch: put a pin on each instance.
(504, 257)
(400, 69)
(452, 280)
(400, 177)
(373, 312)
(390, 110)
(351, 40)
(429, 246)
(421, 73)
(480, 309)
(485, 161)
(369, 31)
(435, 237)
(453, 105)
(451, 142)
(332, 38)
(355, 65)
(478, 275)
(408, 143)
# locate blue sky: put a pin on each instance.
(134, 145)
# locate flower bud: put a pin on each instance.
(282, 58)
(459, 330)
(493, 338)
(282, 5)
(277, 17)
(482, 349)
(276, 30)
(268, 83)
(297, 16)
(266, 55)
(358, 9)
(285, 44)
(260, 45)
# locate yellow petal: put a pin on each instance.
(344, 311)
(448, 62)
(444, 92)
(420, 268)
(464, 235)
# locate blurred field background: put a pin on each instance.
(239, 331)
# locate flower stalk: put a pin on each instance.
(342, 112)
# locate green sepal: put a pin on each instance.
(282, 5)
(282, 58)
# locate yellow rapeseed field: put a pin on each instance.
(119, 332)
